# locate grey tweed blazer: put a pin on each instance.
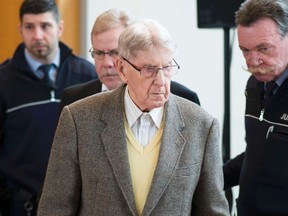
(88, 171)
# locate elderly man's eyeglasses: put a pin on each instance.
(148, 71)
(99, 54)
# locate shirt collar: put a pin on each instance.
(133, 112)
(282, 78)
(104, 88)
(34, 65)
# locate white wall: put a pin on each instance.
(200, 55)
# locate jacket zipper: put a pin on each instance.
(52, 94)
(261, 117)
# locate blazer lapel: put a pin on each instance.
(114, 141)
(97, 86)
(172, 145)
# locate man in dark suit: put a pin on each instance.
(104, 38)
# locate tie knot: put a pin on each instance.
(269, 88)
(45, 68)
(269, 92)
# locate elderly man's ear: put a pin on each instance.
(120, 69)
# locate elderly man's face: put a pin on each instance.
(152, 92)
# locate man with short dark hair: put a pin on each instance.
(31, 84)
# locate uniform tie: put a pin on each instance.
(269, 92)
(46, 68)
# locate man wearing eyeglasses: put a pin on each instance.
(104, 51)
(137, 150)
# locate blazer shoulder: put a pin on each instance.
(189, 109)
(93, 85)
(105, 99)
(185, 92)
(79, 91)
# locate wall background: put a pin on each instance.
(9, 36)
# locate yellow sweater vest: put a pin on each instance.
(143, 162)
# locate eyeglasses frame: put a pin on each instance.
(110, 53)
(139, 70)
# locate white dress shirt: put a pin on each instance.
(144, 125)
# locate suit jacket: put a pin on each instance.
(89, 174)
(83, 90)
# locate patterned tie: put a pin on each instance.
(269, 92)
(46, 68)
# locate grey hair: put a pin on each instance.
(111, 19)
(253, 10)
(143, 35)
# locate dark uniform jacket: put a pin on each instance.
(264, 174)
(28, 117)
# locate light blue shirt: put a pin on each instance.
(282, 78)
(34, 65)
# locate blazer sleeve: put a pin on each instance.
(209, 197)
(61, 191)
